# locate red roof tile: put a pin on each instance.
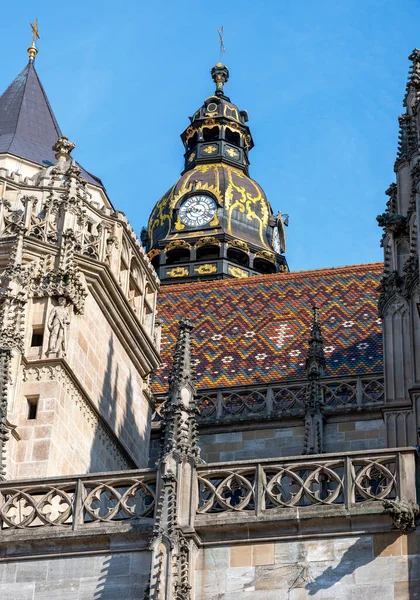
(255, 330)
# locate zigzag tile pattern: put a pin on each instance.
(256, 330)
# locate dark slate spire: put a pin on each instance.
(28, 127)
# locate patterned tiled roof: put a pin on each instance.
(256, 330)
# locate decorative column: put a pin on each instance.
(315, 369)
(173, 544)
(13, 298)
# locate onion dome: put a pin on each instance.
(215, 221)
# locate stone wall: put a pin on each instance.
(380, 566)
(106, 576)
(355, 435)
(240, 443)
(106, 370)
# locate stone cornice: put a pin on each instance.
(119, 314)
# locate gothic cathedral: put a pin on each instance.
(183, 417)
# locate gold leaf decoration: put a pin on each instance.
(206, 269)
(237, 272)
(177, 272)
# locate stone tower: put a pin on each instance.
(77, 305)
(216, 222)
(399, 302)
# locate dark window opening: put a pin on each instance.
(179, 255)
(264, 267)
(32, 407)
(37, 338)
(211, 135)
(156, 261)
(192, 142)
(89, 226)
(207, 252)
(238, 257)
(232, 137)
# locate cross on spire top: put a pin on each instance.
(33, 50)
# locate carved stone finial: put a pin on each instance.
(181, 368)
(315, 368)
(315, 361)
(63, 148)
(403, 513)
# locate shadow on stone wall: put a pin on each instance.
(357, 555)
(120, 575)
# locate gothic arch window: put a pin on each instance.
(177, 255)
(135, 287)
(149, 306)
(265, 267)
(238, 256)
(208, 252)
(124, 266)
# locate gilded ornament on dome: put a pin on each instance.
(232, 189)
(177, 272)
(207, 241)
(209, 122)
(239, 244)
(267, 255)
(191, 157)
(206, 269)
(177, 244)
(179, 226)
(152, 253)
(189, 133)
(232, 152)
(237, 272)
(231, 112)
(210, 149)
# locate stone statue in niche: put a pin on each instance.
(58, 322)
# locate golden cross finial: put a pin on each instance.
(33, 50)
(222, 43)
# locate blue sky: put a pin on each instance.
(322, 80)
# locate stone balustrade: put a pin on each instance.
(354, 483)
(345, 480)
(288, 399)
(77, 501)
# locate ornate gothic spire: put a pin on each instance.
(172, 542)
(315, 361)
(180, 436)
(315, 369)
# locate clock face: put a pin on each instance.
(197, 210)
(276, 240)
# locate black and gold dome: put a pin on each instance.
(215, 221)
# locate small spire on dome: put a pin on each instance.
(220, 75)
(33, 50)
